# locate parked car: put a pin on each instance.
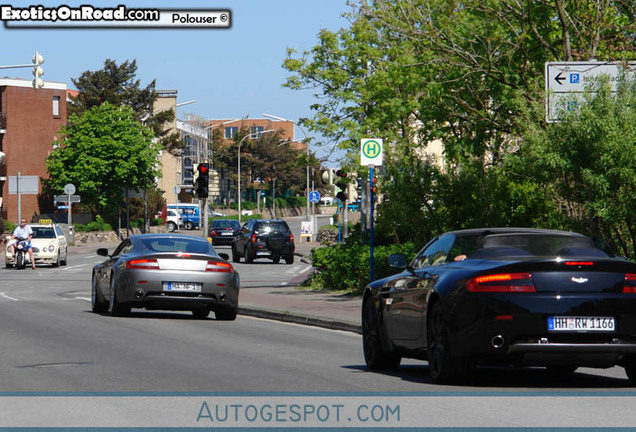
(517, 297)
(49, 246)
(223, 231)
(264, 238)
(174, 220)
(190, 213)
(168, 272)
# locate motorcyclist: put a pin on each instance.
(24, 231)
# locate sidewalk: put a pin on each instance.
(288, 303)
(330, 310)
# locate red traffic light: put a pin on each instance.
(203, 168)
(341, 173)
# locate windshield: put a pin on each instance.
(226, 224)
(43, 232)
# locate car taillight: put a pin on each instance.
(629, 286)
(579, 263)
(148, 264)
(213, 232)
(506, 282)
(218, 266)
(291, 237)
(253, 238)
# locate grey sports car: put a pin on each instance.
(167, 272)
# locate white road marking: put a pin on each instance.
(76, 266)
(78, 298)
(4, 295)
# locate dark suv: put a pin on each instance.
(260, 238)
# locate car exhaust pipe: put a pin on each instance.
(222, 297)
(497, 341)
(139, 294)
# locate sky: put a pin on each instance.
(229, 72)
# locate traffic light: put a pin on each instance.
(342, 183)
(37, 70)
(326, 176)
(203, 179)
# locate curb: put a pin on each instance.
(299, 319)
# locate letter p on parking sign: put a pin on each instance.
(371, 151)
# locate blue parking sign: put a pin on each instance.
(575, 78)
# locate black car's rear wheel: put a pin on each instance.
(276, 259)
(443, 367)
(289, 259)
(235, 256)
(630, 370)
(98, 303)
(375, 356)
(201, 313)
(249, 258)
(225, 314)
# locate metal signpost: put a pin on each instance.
(22, 185)
(314, 197)
(565, 82)
(69, 198)
(371, 156)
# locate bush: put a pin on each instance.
(156, 222)
(97, 225)
(9, 226)
(347, 266)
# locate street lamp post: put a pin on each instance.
(255, 134)
(307, 143)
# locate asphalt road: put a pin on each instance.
(51, 342)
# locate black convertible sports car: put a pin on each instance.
(503, 296)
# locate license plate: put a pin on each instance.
(568, 323)
(226, 234)
(182, 286)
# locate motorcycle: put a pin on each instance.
(20, 253)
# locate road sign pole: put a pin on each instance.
(371, 174)
(313, 206)
(17, 185)
(70, 206)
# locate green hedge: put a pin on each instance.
(347, 266)
(97, 225)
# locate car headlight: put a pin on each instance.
(51, 248)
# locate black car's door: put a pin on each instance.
(243, 237)
(406, 300)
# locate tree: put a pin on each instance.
(467, 73)
(587, 159)
(117, 85)
(101, 152)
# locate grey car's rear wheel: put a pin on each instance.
(443, 367)
(225, 314)
(115, 308)
(98, 302)
(375, 356)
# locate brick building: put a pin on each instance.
(30, 120)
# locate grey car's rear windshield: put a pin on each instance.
(175, 245)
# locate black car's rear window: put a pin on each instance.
(175, 245)
(271, 227)
(221, 223)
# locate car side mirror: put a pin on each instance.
(397, 261)
(102, 252)
(225, 256)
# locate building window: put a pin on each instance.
(256, 131)
(56, 106)
(231, 132)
